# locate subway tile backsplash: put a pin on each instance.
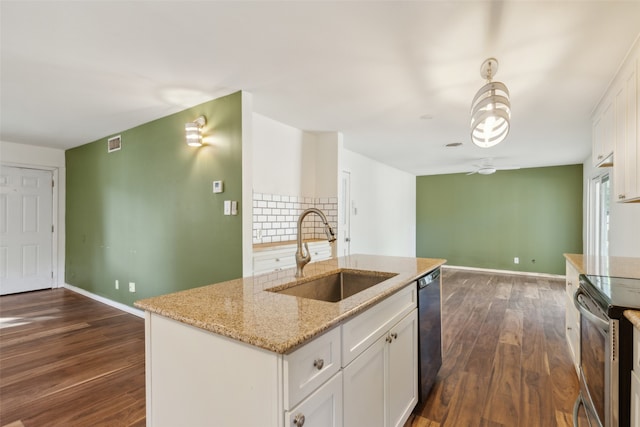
(275, 217)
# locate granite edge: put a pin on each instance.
(288, 346)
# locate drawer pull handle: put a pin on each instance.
(389, 339)
(277, 259)
(318, 363)
(298, 420)
(394, 336)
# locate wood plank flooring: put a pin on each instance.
(505, 357)
(66, 360)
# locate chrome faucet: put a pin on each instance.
(303, 259)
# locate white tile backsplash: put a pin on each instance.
(275, 217)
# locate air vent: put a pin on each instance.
(114, 144)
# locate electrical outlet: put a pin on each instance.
(132, 287)
(516, 260)
(117, 284)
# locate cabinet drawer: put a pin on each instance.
(364, 329)
(322, 409)
(267, 264)
(310, 365)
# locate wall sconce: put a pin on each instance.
(193, 131)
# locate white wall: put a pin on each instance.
(385, 200)
(624, 225)
(52, 159)
(283, 158)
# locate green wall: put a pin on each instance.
(147, 213)
(486, 221)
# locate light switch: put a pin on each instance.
(227, 207)
(234, 207)
(218, 187)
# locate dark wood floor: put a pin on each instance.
(506, 361)
(66, 360)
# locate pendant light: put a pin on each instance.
(490, 109)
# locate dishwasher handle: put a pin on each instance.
(427, 279)
(584, 310)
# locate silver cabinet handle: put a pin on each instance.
(318, 363)
(600, 156)
(298, 420)
(621, 196)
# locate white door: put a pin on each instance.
(344, 233)
(26, 229)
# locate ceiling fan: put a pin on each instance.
(487, 168)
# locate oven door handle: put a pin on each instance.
(601, 323)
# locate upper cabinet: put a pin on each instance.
(604, 134)
(626, 172)
(615, 129)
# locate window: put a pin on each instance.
(599, 201)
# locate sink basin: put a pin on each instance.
(337, 286)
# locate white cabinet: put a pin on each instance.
(323, 408)
(311, 365)
(635, 380)
(277, 257)
(616, 124)
(381, 384)
(635, 399)
(198, 378)
(604, 134)
(403, 370)
(572, 315)
(627, 154)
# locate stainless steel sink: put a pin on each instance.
(335, 287)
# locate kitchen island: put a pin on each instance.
(237, 353)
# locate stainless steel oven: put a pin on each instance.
(604, 362)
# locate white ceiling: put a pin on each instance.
(76, 71)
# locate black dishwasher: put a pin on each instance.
(429, 332)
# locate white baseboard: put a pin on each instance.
(114, 304)
(518, 273)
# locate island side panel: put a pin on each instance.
(198, 378)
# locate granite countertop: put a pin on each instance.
(609, 266)
(577, 260)
(606, 266)
(633, 316)
(244, 310)
(261, 246)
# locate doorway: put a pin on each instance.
(344, 226)
(26, 229)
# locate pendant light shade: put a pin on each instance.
(490, 109)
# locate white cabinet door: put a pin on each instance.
(603, 133)
(403, 370)
(635, 399)
(381, 384)
(323, 408)
(365, 387)
(572, 316)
